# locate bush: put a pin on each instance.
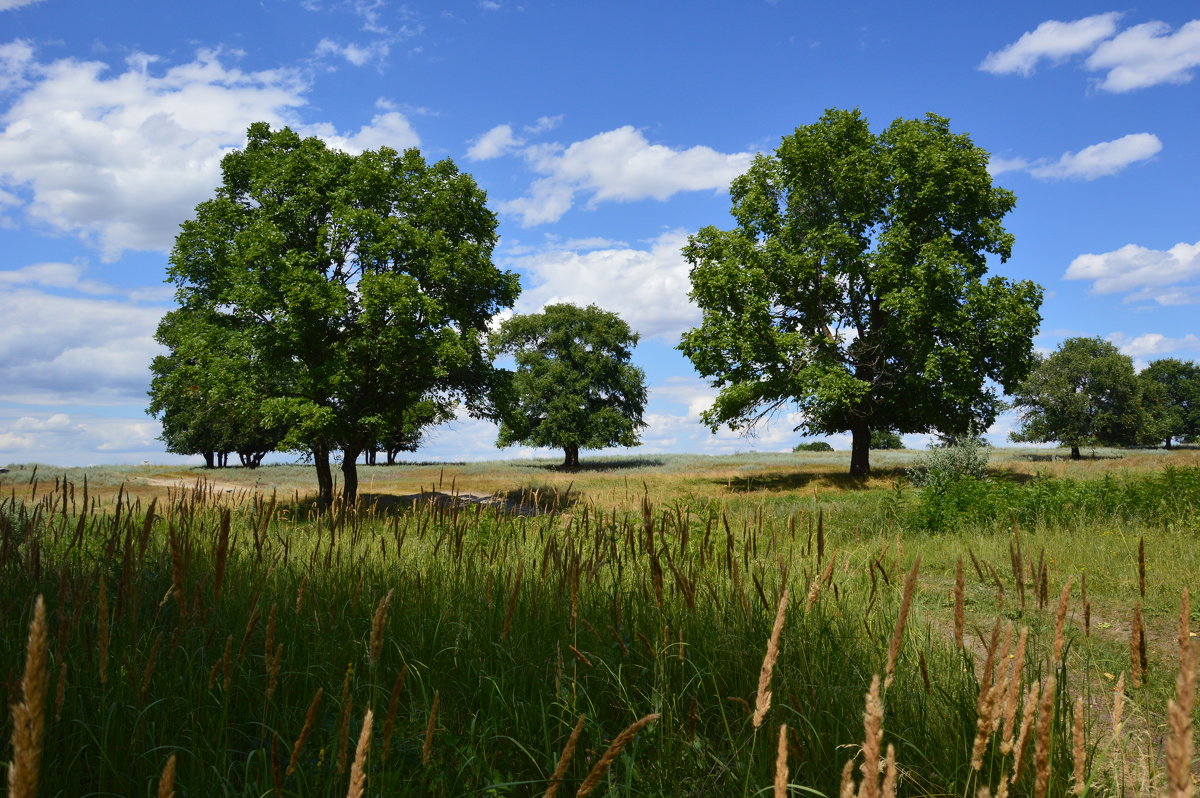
(965, 458)
(813, 446)
(884, 439)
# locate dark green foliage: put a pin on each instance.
(813, 446)
(1084, 394)
(883, 439)
(853, 285)
(1169, 497)
(342, 299)
(574, 386)
(1171, 396)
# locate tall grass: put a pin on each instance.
(250, 643)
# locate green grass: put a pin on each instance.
(724, 535)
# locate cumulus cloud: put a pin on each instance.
(496, 142)
(1147, 55)
(78, 439)
(1153, 344)
(81, 350)
(1101, 160)
(646, 287)
(121, 159)
(618, 165)
(1098, 160)
(1052, 40)
(1158, 275)
(387, 129)
(1138, 57)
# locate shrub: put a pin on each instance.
(813, 446)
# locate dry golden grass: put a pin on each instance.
(762, 700)
(564, 759)
(358, 770)
(614, 749)
(29, 716)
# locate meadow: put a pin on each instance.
(645, 625)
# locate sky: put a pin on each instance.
(604, 133)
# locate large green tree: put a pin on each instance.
(360, 285)
(852, 286)
(574, 386)
(1085, 393)
(1171, 395)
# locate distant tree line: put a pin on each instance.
(1087, 393)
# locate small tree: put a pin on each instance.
(813, 446)
(574, 386)
(1171, 395)
(884, 439)
(853, 286)
(1084, 394)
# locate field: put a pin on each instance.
(646, 625)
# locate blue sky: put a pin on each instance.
(604, 133)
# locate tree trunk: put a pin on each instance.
(860, 450)
(1168, 445)
(1075, 455)
(324, 476)
(350, 476)
(571, 459)
(209, 460)
(391, 456)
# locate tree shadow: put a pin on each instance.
(779, 483)
(602, 465)
(1066, 458)
(526, 501)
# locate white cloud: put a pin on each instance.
(1154, 274)
(1153, 344)
(1092, 162)
(619, 165)
(56, 349)
(544, 123)
(356, 54)
(120, 160)
(53, 275)
(1101, 160)
(998, 165)
(1147, 55)
(15, 58)
(1136, 58)
(8, 5)
(387, 129)
(496, 142)
(1052, 40)
(647, 288)
(77, 439)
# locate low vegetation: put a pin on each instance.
(659, 626)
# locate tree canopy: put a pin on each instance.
(1171, 396)
(360, 288)
(852, 286)
(1085, 393)
(574, 386)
